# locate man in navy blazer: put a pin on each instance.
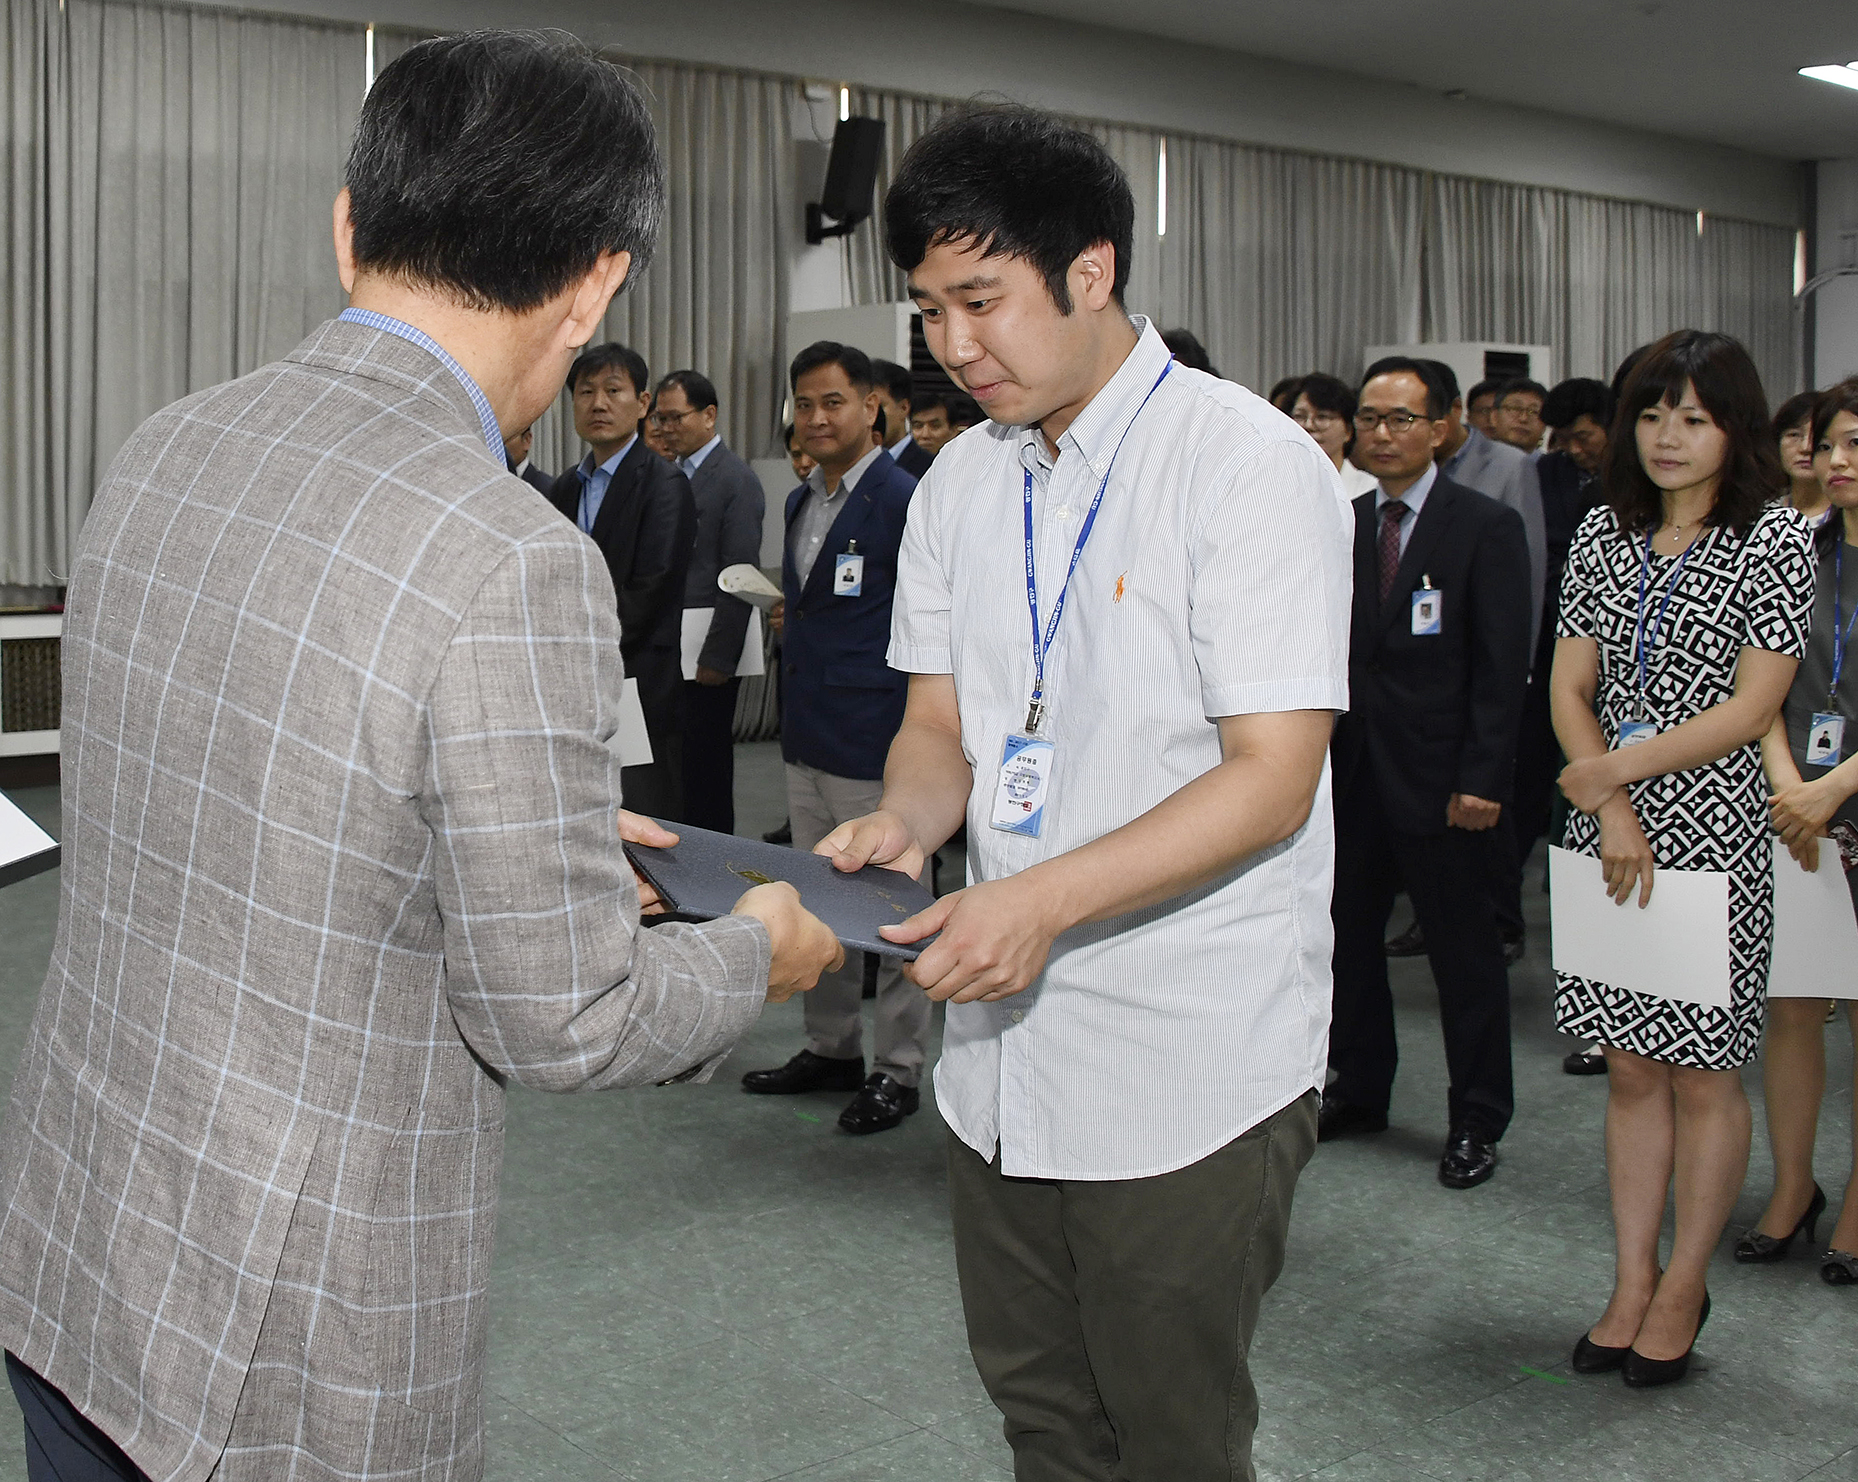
(1424, 764)
(841, 705)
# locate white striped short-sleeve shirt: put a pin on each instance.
(1216, 582)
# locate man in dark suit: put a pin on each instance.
(1424, 763)
(896, 397)
(730, 505)
(639, 510)
(841, 705)
(516, 458)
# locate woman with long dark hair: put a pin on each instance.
(1815, 783)
(1683, 618)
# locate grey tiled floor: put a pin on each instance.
(693, 1285)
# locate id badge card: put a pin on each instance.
(1019, 794)
(847, 575)
(1428, 612)
(1825, 740)
(1635, 731)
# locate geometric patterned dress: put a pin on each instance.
(1755, 592)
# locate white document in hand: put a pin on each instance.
(1815, 932)
(630, 742)
(1676, 948)
(697, 628)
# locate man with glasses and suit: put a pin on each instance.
(1424, 764)
(730, 505)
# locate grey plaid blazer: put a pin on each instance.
(339, 861)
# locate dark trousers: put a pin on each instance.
(1448, 876)
(1111, 1321)
(61, 1445)
(658, 789)
(1538, 764)
(709, 755)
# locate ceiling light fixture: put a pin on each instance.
(1846, 76)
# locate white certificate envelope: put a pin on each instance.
(25, 848)
(1815, 932)
(1676, 948)
(697, 628)
(630, 742)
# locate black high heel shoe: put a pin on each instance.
(1642, 1373)
(1754, 1248)
(1596, 1358)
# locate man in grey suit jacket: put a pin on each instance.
(339, 847)
(730, 506)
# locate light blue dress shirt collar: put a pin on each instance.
(1414, 499)
(486, 418)
(594, 481)
(695, 461)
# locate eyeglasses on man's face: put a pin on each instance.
(1399, 420)
(669, 419)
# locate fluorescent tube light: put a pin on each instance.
(1846, 76)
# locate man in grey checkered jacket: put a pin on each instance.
(340, 856)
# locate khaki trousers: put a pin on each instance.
(817, 803)
(1111, 1321)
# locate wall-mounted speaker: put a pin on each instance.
(851, 179)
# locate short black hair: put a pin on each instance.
(1327, 394)
(1796, 409)
(611, 356)
(1447, 378)
(1625, 369)
(1728, 387)
(497, 166)
(1522, 383)
(849, 358)
(894, 379)
(1013, 182)
(1184, 345)
(697, 388)
(929, 401)
(1284, 394)
(964, 411)
(787, 436)
(1489, 386)
(1579, 396)
(1441, 390)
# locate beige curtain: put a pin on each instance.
(714, 298)
(168, 217)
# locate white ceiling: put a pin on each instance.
(1717, 70)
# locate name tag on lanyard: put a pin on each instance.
(1027, 757)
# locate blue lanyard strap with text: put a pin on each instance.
(1042, 642)
(1643, 642)
(1841, 629)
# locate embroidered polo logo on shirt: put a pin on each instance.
(1119, 586)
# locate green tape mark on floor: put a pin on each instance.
(1538, 1374)
(806, 1116)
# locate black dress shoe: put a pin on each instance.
(806, 1072)
(1513, 948)
(1468, 1160)
(1338, 1118)
(1596, 1358)
(1756, 1249)
(1643, 1373)
(782, 835)
(880, 1104)
(1584, 1062)
(1410, 943)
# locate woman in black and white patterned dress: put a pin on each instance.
(1684, 614)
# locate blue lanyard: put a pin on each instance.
(1041, 646)
(1642, 642)
(1841, 630)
